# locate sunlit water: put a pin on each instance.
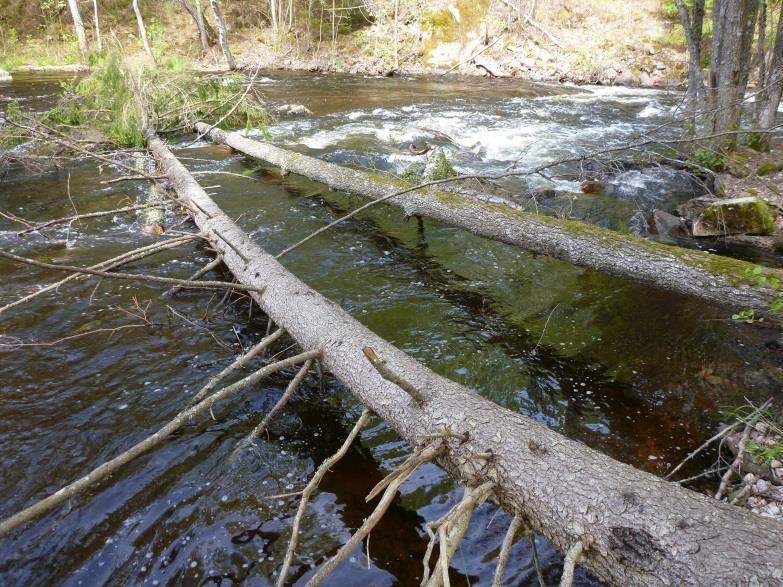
(637, 373)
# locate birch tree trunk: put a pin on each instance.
(716, 280)
(635, 528)
(143, 31)
(223, 35)
(78, 25)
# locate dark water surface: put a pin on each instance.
(639, 374)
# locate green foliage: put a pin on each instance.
(108, 100)
(706, 158)
(440, 168)
(757, 277)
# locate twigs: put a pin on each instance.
(721, 434)
(372, 520)
(505, 549)
(734, 466)
(289, 391)
(392, 377)
(113, 263)
(74, 217)
(572, 557)
(311, 488)
(197, 275)
(131, 276)
(147, 444)
(238, 363)
(451, 528)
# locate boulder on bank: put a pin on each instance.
(4, 76)
(747, 215)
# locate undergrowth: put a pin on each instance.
(109, 100)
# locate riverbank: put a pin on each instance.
(599, 43)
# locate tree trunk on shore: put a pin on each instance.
(693, 23)
(96, 25)
(716, 280)
(733, 23)
(635, 529)
(197, 15)
(223, 35)
(768, 100)
(143, 31)
(78, 25)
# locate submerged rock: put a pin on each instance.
(669, 225)
(294, 109)
(735, 216)
(4, 76)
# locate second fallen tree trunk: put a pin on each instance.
(718, 280)
(633, 528)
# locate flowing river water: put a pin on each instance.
(637, 373)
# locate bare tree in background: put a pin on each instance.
(78, 24)
(96, 25)
(771, 89)
(143, 31)
(206, 36)
(223, 34)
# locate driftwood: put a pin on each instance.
(633, 528)
(717, 280)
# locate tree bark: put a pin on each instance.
(223, 35)
(734, 22)
(143, 31)
(78, 25)
(769, 98)
(693, 23)
(635, 528)
(716, 280)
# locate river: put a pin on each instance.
(637, 373)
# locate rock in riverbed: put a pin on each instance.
(735, 216)
(4, 76)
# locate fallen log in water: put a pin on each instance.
(718, 280)
(626, 526)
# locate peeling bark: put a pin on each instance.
(635, 528)
(716, 280)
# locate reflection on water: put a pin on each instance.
(631, 371)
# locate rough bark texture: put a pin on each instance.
(78, 26)
(636, 528)
(223, 34)
(693, 23)
(717, 280)
(769, 99)
(734, 22)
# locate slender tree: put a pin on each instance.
(78, 25)
(197, 14)
(693, 23)
(143, 31)
(96, 25)
(223, 34)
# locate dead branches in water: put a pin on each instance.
(312, 486)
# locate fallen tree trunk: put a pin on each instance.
(634, 528)
(717, 280)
